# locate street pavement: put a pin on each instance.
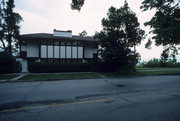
(151, 98)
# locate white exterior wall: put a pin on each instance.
(32, 49)
(23, 64)
(62, 34)
(89, 51)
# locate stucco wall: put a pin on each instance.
(89, 51)
(32, 49)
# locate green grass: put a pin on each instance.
(35, 77)
(156, 68)
(5, 77)
(143, 73)
(147, 73)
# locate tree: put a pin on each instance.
(3, 48)
(10, 26)
(77, 4)
(120, 33)
(165, 24)
(83, 33)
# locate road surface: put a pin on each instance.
(151, 98)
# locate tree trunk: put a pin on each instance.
(4, 46)
(134, 62)
(9, 45)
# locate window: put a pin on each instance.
(62, 52)
(68, 52)
(62, 43)
(50, 42)
(43, 42)
(74, 52)
(43, 51)
(56, 42)
(74, 43)
(80, 52)
(79, 43)
(50, 51)
(56, 51)
(68, 43)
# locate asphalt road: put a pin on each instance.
(153, 98)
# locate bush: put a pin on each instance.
(160, 63)
(8, 64)
(40, 67)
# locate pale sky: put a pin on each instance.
(42, 16)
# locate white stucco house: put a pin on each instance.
(58, 47)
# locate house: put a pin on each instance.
(59, 47)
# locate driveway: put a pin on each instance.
(109, 99)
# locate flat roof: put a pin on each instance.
(50, 36)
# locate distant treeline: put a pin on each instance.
(159, 63)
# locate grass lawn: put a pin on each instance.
(142, 73)
(156, 68)
(34, 77)
(147, 73)
(5, 77)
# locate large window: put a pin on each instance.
(68, 52)
(43, 51)
(80, 52)
(50, 51)
(63, 52)
(56, 51)
(74, 52)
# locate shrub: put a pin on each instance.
(160, 63)
(8, 64)
(40, 67)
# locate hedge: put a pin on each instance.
(40, 67)
(8, 64)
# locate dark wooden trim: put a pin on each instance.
(59, 50)
(83, 50)
(53, 48)
(39, 49)
(71, 51)
(20, 49)
(47, 53)
(77, 49)
(65, 50)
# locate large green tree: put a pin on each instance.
(3, 47)
(119, 35)
(9, 25)
(165, 24)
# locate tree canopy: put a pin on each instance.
(165, 24)
(9, 25)
(77, 4)
(120, 33)
(83, 33)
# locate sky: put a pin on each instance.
(43, 16)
